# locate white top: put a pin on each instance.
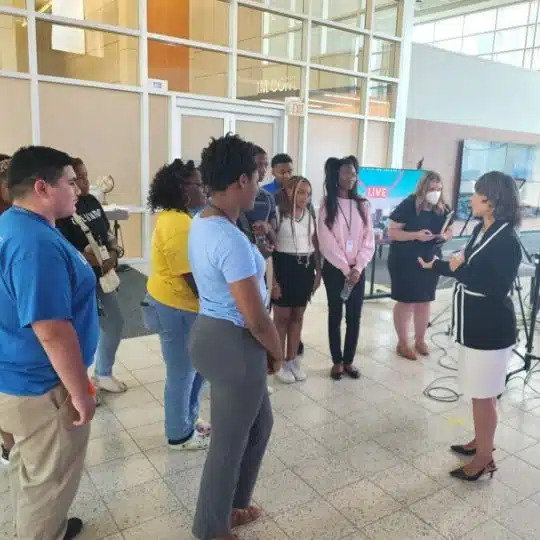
(296, 239)
(479, 238)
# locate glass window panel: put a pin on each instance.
(514, 15)
(533, 12)
(453, 45)
(13, 44)
(483, 21)
(206, 21)
(510, 40)
(536, 60)
(295, 6)
(382, 99)
(478, 45)
(514, 58)
(384, 58)
(115, 12)
(336, 92)
(91, 55)
(424, 33)
(448, 28)
(536, 34)
(351, 12)
(527, 59)
(269, 34)
(378, 144)
(530, 36)
(187, 69)
(385, 19)
(261, 80)
(337, 48)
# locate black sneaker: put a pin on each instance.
(74, 527)
(301, 349)
(5, 456)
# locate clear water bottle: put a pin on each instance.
(346, 291)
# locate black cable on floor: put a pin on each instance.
(436, 390)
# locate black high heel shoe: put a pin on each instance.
(462, 451)
(460, 474)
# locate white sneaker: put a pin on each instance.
(110, 384)
(285, 375)
(204, 428)
(196, 442)
(297, 371)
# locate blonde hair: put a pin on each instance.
(288, 205)
(422, 189)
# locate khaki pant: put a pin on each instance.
(46, 463)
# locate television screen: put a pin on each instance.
(385, 189)
(520, 161)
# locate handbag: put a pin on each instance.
(110, 281)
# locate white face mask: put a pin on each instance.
(432, 197)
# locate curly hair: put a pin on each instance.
(501, 191)
(4, 165)
(331, 184)
(168, 189)
(225, 160)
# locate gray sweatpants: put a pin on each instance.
(235, 365)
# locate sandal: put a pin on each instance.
(422, 348)
(244, 516)
(336, 372)
(351, 371)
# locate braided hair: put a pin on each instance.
(331, 185)
(288, 206)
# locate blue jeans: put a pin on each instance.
(183, 384)
(111, 325)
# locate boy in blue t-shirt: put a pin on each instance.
(48, 337)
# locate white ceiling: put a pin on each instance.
(428, 10)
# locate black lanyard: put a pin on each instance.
(348, 223)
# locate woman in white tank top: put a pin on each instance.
(297, 273)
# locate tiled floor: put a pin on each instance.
(353, 460)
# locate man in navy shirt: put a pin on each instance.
(282, 169)
(48, 337)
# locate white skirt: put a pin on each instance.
(482, 374)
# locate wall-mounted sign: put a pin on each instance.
(294, 106)
(158, 85)
(283, 84)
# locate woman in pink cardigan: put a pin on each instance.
(347, 244)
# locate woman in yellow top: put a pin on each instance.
(171, 305)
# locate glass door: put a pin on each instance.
(196, 121)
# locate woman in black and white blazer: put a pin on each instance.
(483, 316)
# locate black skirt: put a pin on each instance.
(410, 283)
(296, 276)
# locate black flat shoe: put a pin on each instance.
(336, 372)
(462, 451)
(74, 528)
(351, 371)
(460, 473)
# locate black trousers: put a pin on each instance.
(334, 280)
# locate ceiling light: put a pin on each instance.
(343, 96)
